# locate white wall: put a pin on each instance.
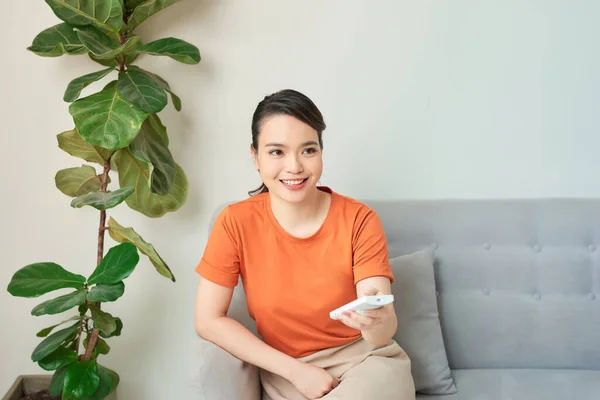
(423, 99)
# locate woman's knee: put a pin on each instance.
(380, 378)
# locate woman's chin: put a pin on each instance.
(294, 193)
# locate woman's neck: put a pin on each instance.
(291, 215)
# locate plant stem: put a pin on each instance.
(100, 254)
(102, 226)
(121, 59)
(90, 346)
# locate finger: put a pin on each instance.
(356, 321)
(335, 383)
(361, 320)
(377, 312)
(348, 321)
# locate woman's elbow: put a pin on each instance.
(206, 326)
(212, 303)
(200, 330)
(203, 326)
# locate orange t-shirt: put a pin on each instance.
(293, 283)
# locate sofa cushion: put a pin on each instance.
(216, 374)
(419, 332)
(523, 384)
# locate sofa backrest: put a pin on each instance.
(518, 281)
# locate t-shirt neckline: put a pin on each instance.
(322, 229)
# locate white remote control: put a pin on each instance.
(363, 303)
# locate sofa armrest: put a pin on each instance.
(216, 374)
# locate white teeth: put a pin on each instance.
(293, 182)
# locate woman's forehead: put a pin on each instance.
(286, 130)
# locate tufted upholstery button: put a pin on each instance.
(592, 296)
(537, 248)
(591, 247)
(486, 291)
(487, 246)
(537, 296)
(437, 293)
(434, 246)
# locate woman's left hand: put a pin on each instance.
(373, 318)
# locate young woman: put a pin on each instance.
(301, 250)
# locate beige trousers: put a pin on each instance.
(366, 372)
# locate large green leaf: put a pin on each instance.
(102, 200)
(105, 47)
(177, 49)
(117, 331)
(72, 143)
(107, 120)
(53, 342)
(109, 380)
(81, 379)
(37, 279)
(96, 41)
(78, 84)
(104, 293)
(60, 304)
(139, 89)
(105, 14)
(133, 172)
(106, 323)
(44, 332)
(121, 234)
(149, 146)
(146, 9)
(57, 40)
(118, 263)
(58, 358)
(158, 128)
(77, 181)
(165, 85)
(57, 382)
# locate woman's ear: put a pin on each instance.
(254, 157)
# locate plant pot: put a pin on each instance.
(28, 384)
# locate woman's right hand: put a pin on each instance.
(312, 381)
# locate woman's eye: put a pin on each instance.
(310, 150)
(275, 152)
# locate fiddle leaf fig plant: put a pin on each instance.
(116, 129)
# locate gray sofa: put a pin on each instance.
(517, 289)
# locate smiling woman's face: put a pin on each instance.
(288, 158)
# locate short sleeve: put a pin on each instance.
(369, 247)
(220, 262)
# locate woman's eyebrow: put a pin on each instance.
(310, 143)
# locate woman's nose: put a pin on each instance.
(294, 166)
